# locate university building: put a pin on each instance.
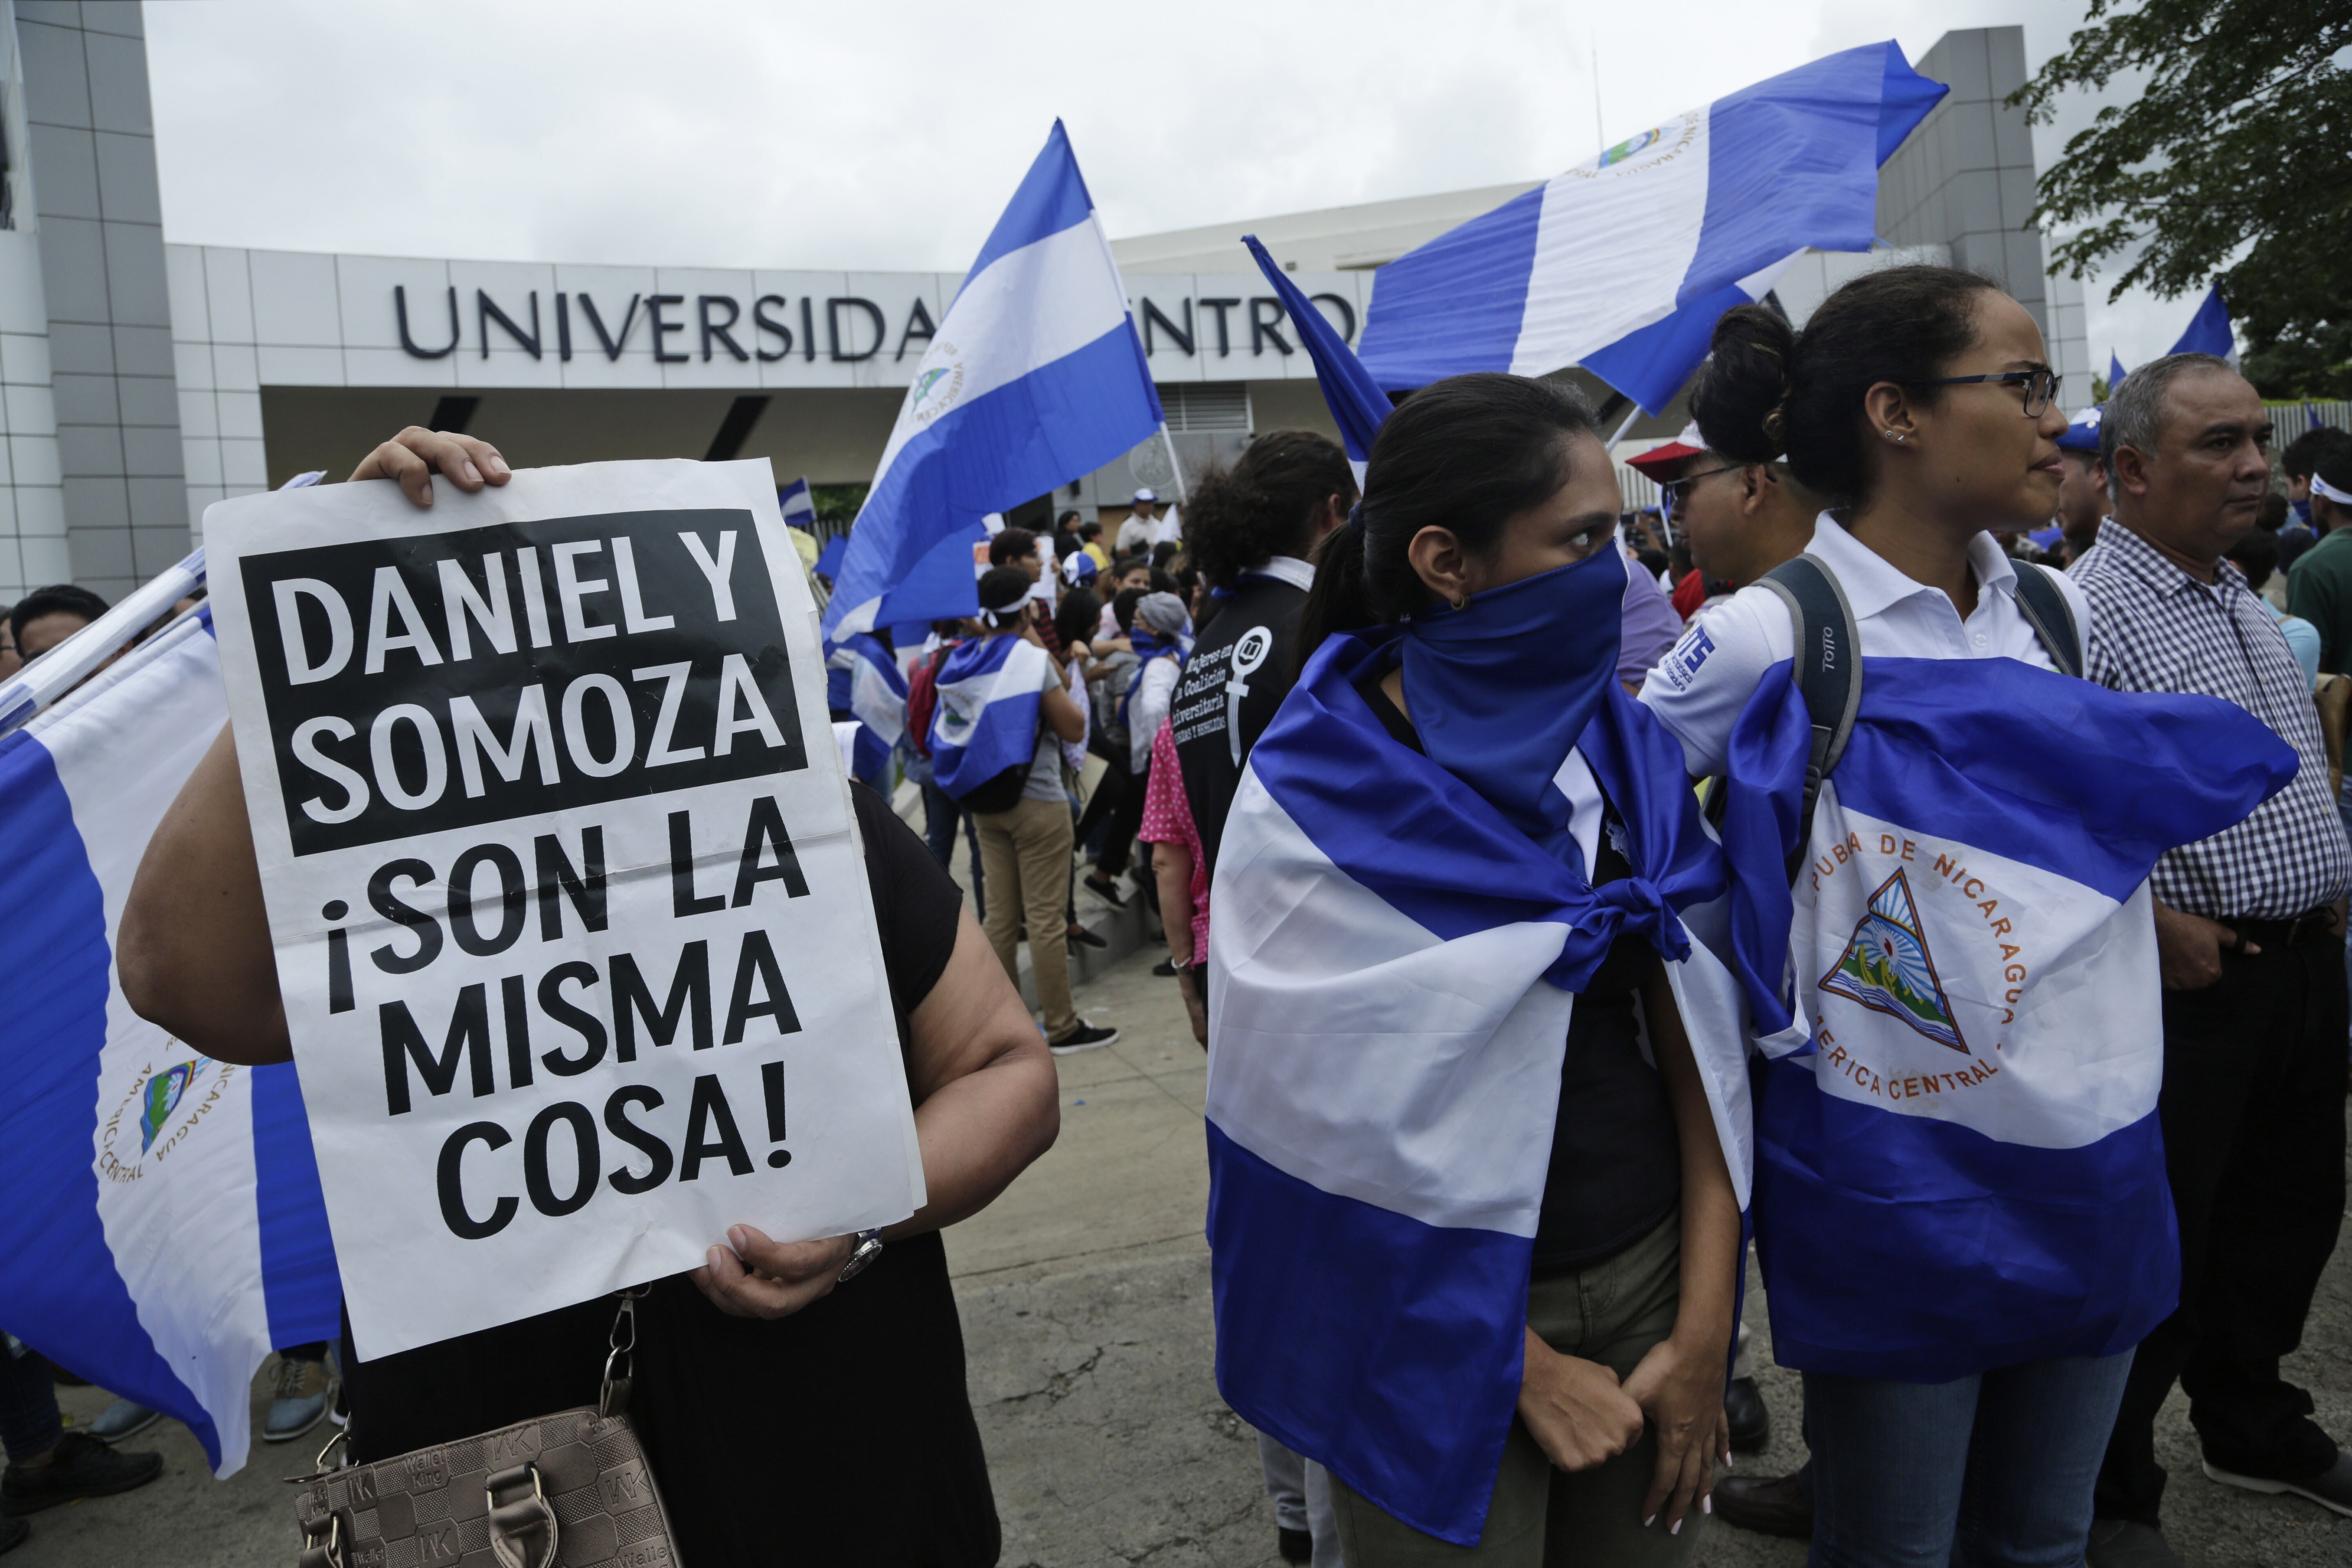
(143, 380)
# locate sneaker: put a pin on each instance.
(1085, 1037)
(1751, 1423)
(2331, 1488)
(2121, 1543)
(1165, 969)
(306, 1390)
(13, 1533)
(1081, 936)
(121, 1419)
(79, 1466)
(1293, 1545)
(1104, 889)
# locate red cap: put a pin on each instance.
(1659, 462)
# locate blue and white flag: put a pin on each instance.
(164, 1228)
(2209, 329)
(875, 694)
(1722, 197)
(2114, 373)
(1963, 1167)
(797, 505)
(1395, 955)
(1036, 377)
(1356, 403)
(990, 690)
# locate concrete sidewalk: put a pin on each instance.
(1084, 1294)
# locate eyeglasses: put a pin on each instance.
(2040, 386)
(1674, 490)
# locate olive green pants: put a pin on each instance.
(1542, 1518)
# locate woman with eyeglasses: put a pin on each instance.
(1959, 1384)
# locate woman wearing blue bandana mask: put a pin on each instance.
(1480, 1267)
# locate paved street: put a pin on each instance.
(1086, 1305)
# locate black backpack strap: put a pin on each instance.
(2045, 609)
(1827, 668)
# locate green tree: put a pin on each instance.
(837, 505)
(2234, 161)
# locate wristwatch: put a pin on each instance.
(869, 1248)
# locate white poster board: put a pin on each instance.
(570, 906)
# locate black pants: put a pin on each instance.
(2254, 1139)
(1118, 804)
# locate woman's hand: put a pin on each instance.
(1574, 1409)
(416, 454)
(1679, 1386)
(763, 1279)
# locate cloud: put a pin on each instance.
(731, 132)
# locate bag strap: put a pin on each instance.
(1827, 668)
(2045, 609)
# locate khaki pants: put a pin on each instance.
(1024, 854)
(1542, 1518)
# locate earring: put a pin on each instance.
(1891, 435)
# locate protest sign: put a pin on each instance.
(569, 904)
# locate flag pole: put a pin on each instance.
(1168, 442)
(1632, 414)
(69, 664)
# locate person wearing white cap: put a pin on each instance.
(1135, 534)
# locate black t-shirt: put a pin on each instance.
(1244, 662)
(1616, 1160)
(841, 1434)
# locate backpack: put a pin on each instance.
(1827, 666)
(923, 698)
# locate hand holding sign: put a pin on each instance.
(569, 915)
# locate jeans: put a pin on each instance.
(2254, 1146)
(1301, 1490)
(1995, 1468)
(939, 813)
(30, 1422)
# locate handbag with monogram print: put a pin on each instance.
(567, 1490)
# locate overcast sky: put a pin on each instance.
(885, 136)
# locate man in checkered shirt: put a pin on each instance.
(2249, 929)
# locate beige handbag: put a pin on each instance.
(567, 1490)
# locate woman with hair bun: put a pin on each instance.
(1961, 1202)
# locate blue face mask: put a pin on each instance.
(2302, 510)
(1501, 689)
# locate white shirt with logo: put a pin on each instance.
(1703, 682)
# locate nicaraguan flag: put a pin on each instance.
(875, 691)
(1389, 1015)
(798, 507)
(1036, 377)
(1721, 199)
(986, 720)
(164, 1228)
(2209, 329)
(1964, 1170)
(1356, 403)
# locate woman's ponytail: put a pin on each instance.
(1340, 600)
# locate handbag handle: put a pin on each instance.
(522, 1532)
(620, 1362)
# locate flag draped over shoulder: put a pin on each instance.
(1035, 376)
(990, 690)
(164, 1228)
(1722, 197)
(1389, 1017)
(1962, 1168)
(873, 689)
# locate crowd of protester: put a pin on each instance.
(1913, 443)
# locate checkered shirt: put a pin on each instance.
(2154, 627)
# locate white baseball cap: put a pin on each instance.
(1145, 494)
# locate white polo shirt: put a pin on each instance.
(1702, 685)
